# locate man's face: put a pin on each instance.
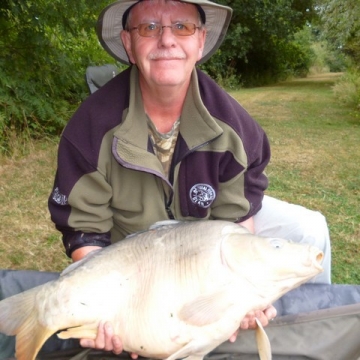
(167, 59)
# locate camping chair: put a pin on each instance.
(314, 322)
(97, 76)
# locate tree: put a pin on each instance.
(259, 47)
(341, 26)
(45, 47)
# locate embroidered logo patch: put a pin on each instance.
(58, 197)
(202, 195)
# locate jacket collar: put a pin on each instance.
(197, 126)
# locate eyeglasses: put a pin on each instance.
(155, 29)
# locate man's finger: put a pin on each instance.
(117, 346)
(100, 337)
(108, 337)
(87, 343)
(270, 312)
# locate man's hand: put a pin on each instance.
(249, 320)
(105, 340)
(80, 253)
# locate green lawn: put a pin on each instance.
(316, 156)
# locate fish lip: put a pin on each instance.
(319, 256)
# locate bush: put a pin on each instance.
(45, 49)
(327, 59)
(347, 89)
(26, 114)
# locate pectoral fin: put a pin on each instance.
(194, 350)
(87, 331)
(263, 342)
(207, 309)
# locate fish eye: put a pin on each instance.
(277, 243)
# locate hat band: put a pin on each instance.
(201, 12)
(126, 14)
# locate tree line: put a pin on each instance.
(45, 47)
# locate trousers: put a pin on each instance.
(281, 219)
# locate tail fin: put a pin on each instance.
(18, 316)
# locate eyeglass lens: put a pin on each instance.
(154, 29)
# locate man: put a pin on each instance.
(162, 140)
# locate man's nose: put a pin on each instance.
(166, 35)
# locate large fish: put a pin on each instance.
(171, 292)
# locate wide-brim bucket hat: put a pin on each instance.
(110, 24)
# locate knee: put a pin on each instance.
(312, 228)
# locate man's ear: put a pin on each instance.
(202, 38)
(126, 40)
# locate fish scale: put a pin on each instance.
(177, 290)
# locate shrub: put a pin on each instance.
(347, 89)
(45, 49)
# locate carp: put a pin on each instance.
(177, 290)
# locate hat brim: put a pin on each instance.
(109, 26)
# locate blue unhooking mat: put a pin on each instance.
(314, 322)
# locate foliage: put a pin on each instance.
(315, 158)
(315, 163)
(45, 47)
(303, 40)
(341, 26)
(260, 44)
(327, 59)
(347, 89)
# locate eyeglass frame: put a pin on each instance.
(161, 28)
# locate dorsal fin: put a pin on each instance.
(78, 263)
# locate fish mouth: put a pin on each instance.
(318, 258)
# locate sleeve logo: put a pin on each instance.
(58, 197)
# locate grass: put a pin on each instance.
(316, 150)
(315, 158)
(28, 239)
